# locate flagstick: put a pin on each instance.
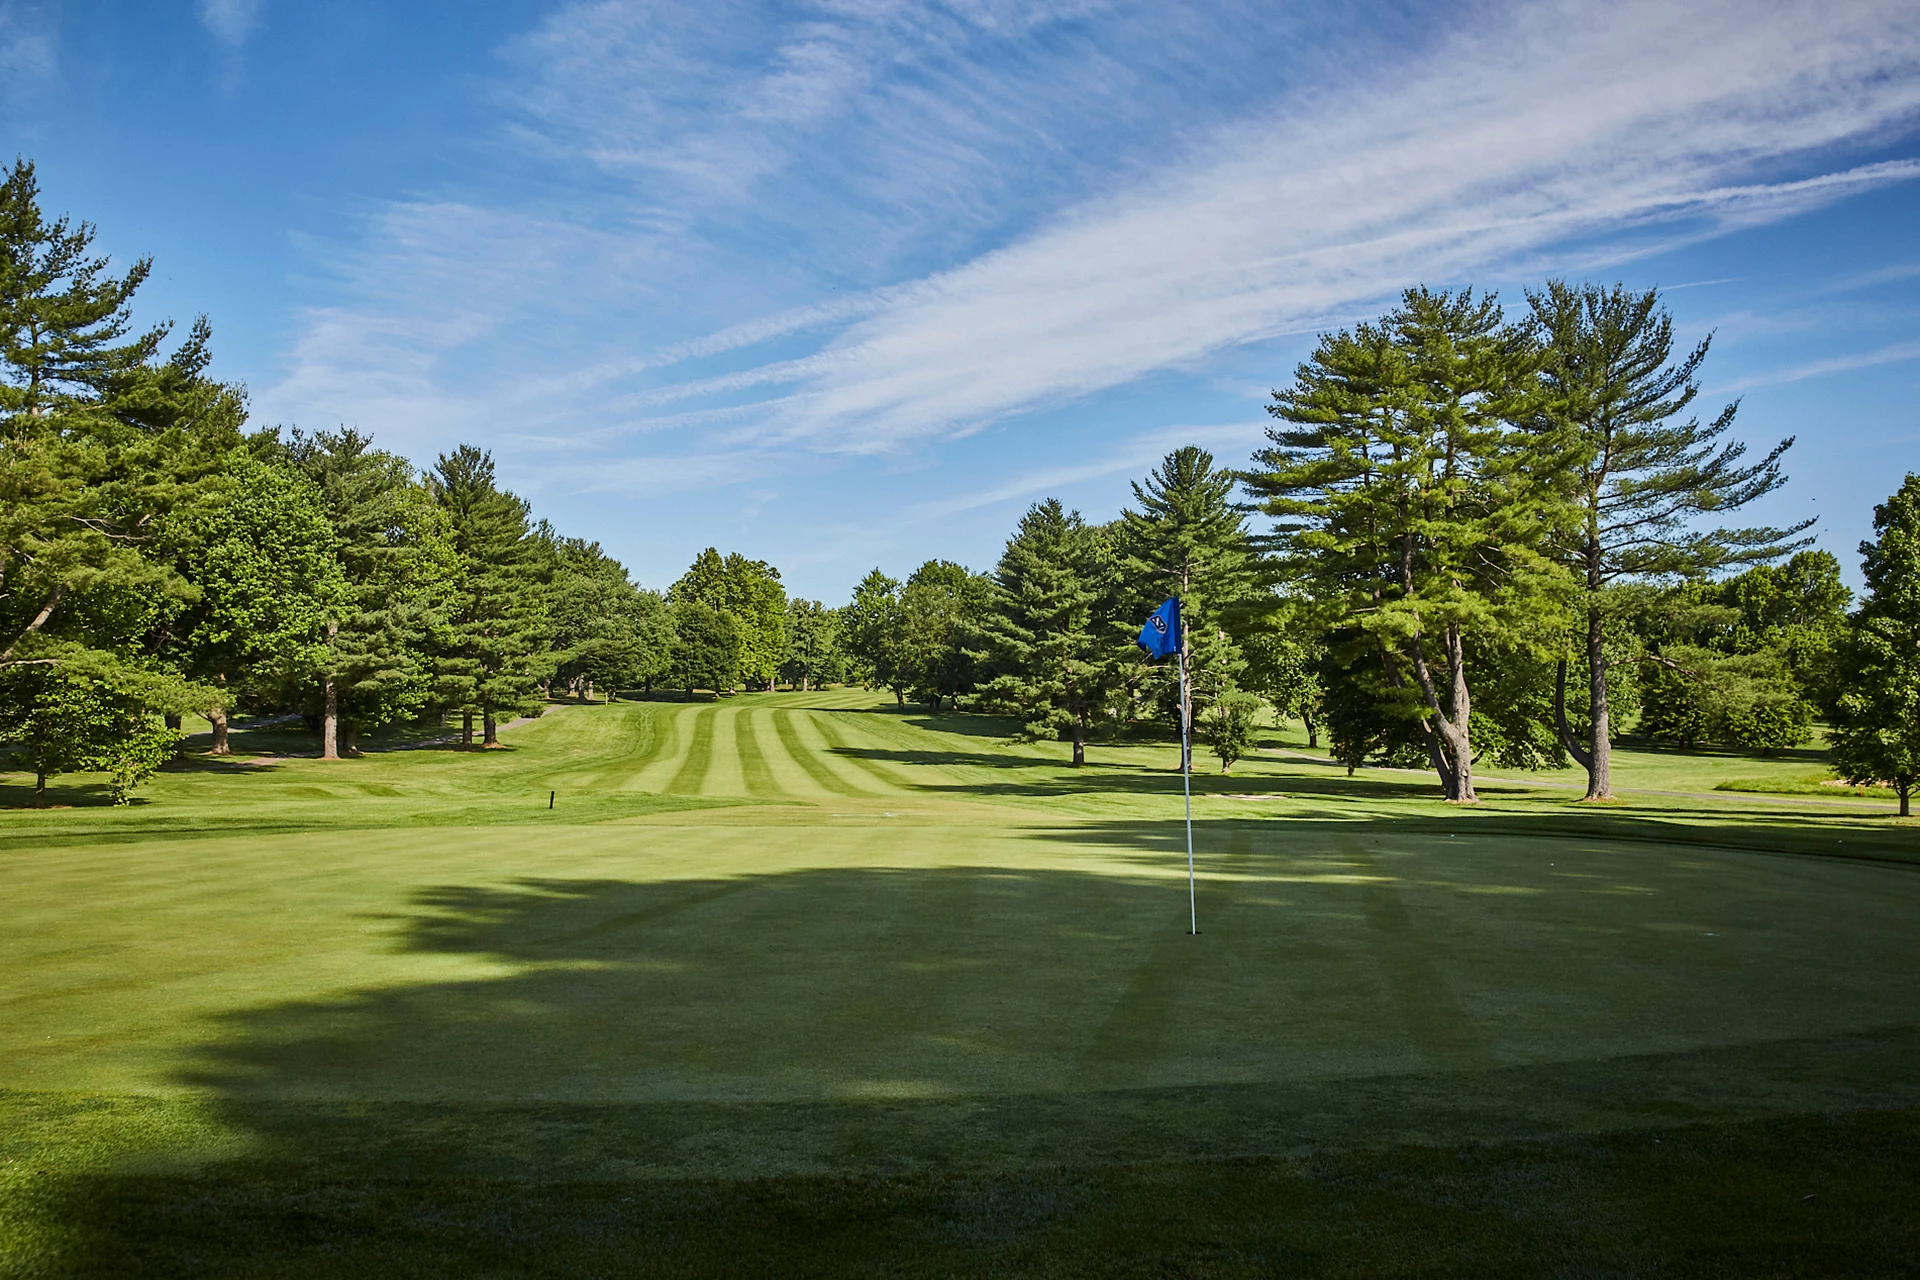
(1186, 781)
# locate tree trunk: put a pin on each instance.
(330, 716)
(1313, 730)
(803, 682)
(466, 728)
(1906, 793)
(1079, 742)
(492, 738)
(330, 723)
(1600, 755)
(1461, 743)
(1448, 728)
(40, 793)
(218, 719)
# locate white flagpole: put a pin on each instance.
(1186, 779)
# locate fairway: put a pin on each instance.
(794, 968)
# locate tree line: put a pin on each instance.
(1475, 533)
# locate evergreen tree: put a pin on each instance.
(873, 628)
(395, 556)
(1639, 478)
(1876, 717)
(99, 440)
(1048, 640)
(941, 606)
(494, 651)
(1412, 505)
(1188, 539)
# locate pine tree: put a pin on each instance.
(395, 556)
(99, 440)
(1189, 539)
(494, 651)
(1048, 640)
(1639, 478)
(1412, 504)
(1876, 718)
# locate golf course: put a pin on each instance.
(806, 983)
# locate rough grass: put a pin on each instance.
(797, 984)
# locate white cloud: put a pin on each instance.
(1892, 353)
(231, 21)
(1559, 125)
(734, 156)
(1135, 455)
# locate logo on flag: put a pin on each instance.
(1160, 637)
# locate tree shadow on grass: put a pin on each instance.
(1004, 1068)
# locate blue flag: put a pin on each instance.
(1161, 636)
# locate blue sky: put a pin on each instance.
(845, 283)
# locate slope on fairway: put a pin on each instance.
(806, 937)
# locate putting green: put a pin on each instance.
(806, 934)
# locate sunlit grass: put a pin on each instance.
(791, 980)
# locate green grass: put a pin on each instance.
(800, 984)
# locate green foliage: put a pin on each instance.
(815, 656)
(606, 631)
(1637, 481)
(1229, 727)
(66, 722)
(1188, 539)
(493, 652)
(1284, 649)
(1876, 717)
(706, 650)
(1412, 505)
(257, 543)
(873, 629)
(941, 607)
(748, 592)
(1047, 632)
(1743, 662)
(395, 552)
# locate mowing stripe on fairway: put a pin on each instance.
(808, 759)
(753, 762)
(830, 729)
(724, 774)
(693, 770)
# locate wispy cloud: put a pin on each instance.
(948, 215)
(1554, 127)
(1893, 353)
(231, 21)
(1136, 455)
(29, 46)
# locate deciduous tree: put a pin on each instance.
(1876, 717)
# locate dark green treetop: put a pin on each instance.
(1876, 717)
